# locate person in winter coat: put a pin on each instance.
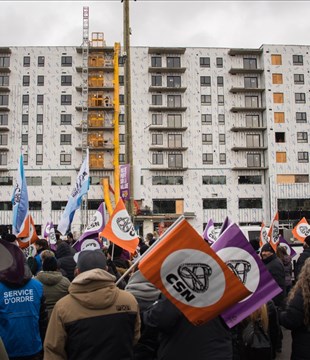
(302, 257)
(288, 268)
(23, 315)
(97, 320)
(64, 255)
(296, 316)
(180, 339)
(41, 245)
(55, 285)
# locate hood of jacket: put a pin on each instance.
(49, 277)
(142, 288)
(94, 289)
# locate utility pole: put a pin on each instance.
(127, 98)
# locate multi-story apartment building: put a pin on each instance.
(216, 132)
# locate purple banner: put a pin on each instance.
(124, 179)
(238, 254)
(209, 233)
(227, 222)
(290, 251)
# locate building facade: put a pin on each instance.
(216, 132)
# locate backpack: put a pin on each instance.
(256, 341)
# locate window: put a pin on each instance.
(122, 139)
(220, 81)
(121, 99)
(26, 61)
(157, 119)
(249, 63)
(214, 180)
(4, 119)
(121, 80)
(206, 99)
(222, 139)
(303, 156)
(222, 158)
(39, 119)
(299, 79)
(174, 81)
(207, 158)
(39, 139)
(164, 206)
(157, 80)
(281, 157)
(156, 61)
(300, 98)
(207, 139)
(59, 205)
(251, 203)
(301, 117)
(3, 158)
(175, 160)
(253, 140)
(40, 81)
(251, 101)
(25, 119)
(25, 100)
(4, 100)
(204, 62)
(4, 80)
(122, 158)
(205, 80)
(276, 59)
(60, 180)
(220, 99)
(157, 100)
(24, 139)
(65, 159)
(66, 80)
(279, 117)
(253, 160)
(219, 62)
(173, 62)
(298, 60)
(251, 82)
(174, 101)
(174, 140)
(167, 180)
(26, 80)
(3, 139)
(65, 139)
(41, 61)
(121, 60)
(66, 61)
(5, 205)
(4, 61)
(121, 119)
(249, 179)
(278, 98)
(6, 181)
(25, 159)
(65, 119)
(252, 121)
(40, 99)
(221, 119)
(214, 203)
(280, 137)
(39, 159)
(157, 139)
(66, 99)
(174, 120)
(34, 180)
(157, 158)
(301, 179)
(277, 79)
(302, 137)
(206, 119)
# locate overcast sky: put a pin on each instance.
(157, 23)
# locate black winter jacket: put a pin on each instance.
(301, 260)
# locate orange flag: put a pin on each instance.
(301, 230)
(120, 229)
(274, 232)
(263, 236)
(190, 274)
(28, 234)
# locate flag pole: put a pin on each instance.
(179, 219)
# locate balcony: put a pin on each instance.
(167, 148)
(241, 51)
(235, 90)
(95, 49)
(100, 145)
(245, 128)
(234, 71)
(5, 50)
(167, 108)
(249, 148)
(4, 128)
(162, 168)
(167, 128)
(167, 50)
(4, 89)
(172, 89)
(167, 69)
(247, 109)
(104, 67)
(249, 168)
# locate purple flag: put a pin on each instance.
(124, 181)
(209, 233)
(91, 234)
(290, 251)
(227, 222)
(49, 234)
(238, 254)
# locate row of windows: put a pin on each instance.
(173, 120)
(171, 61)
(172, 81)
(65, 80)
(301, 117)
(205, 61)
(206, 119)
(276, 59)
(65, 61)
(206, 81)
(65, 99)
(302, 157)
(243, 203)
(300, 98)
(172, 100)
(174, 160)
(302, 137)
(206, 99)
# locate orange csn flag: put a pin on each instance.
(274, 232)
(190, 274)
(263, 236)
(120, 229)
(27, 234)
(301, 230)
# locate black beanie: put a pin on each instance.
(50, 264)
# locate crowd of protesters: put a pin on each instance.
(59, 304)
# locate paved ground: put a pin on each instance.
(286, 346)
